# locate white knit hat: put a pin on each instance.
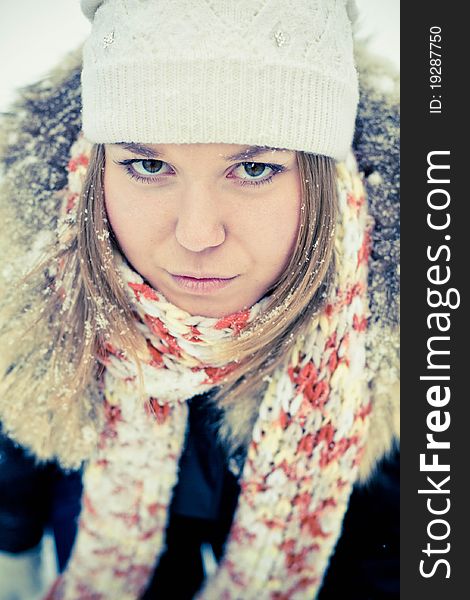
(274, 73)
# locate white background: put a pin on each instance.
(34, 34)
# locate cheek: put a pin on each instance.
(129, 213)
(116, 208)
(277, 230)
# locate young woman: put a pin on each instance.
(210, 327)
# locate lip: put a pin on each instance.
(201, 285)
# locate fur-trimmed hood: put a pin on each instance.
(35, 140)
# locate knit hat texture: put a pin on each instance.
(276, 73)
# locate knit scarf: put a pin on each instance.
(301, 462)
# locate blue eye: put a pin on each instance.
(251, 173)
(148, 167)
(145, 170)
(255, 170)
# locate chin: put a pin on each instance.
(202, 308)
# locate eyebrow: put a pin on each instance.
(251, 152)
(140, 149)
(246, 154)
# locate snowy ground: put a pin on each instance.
(28, 575)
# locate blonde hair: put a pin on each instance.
(85, 305)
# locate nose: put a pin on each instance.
(199, 224)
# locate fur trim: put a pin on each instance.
(376, 145)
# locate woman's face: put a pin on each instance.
(211, 226)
